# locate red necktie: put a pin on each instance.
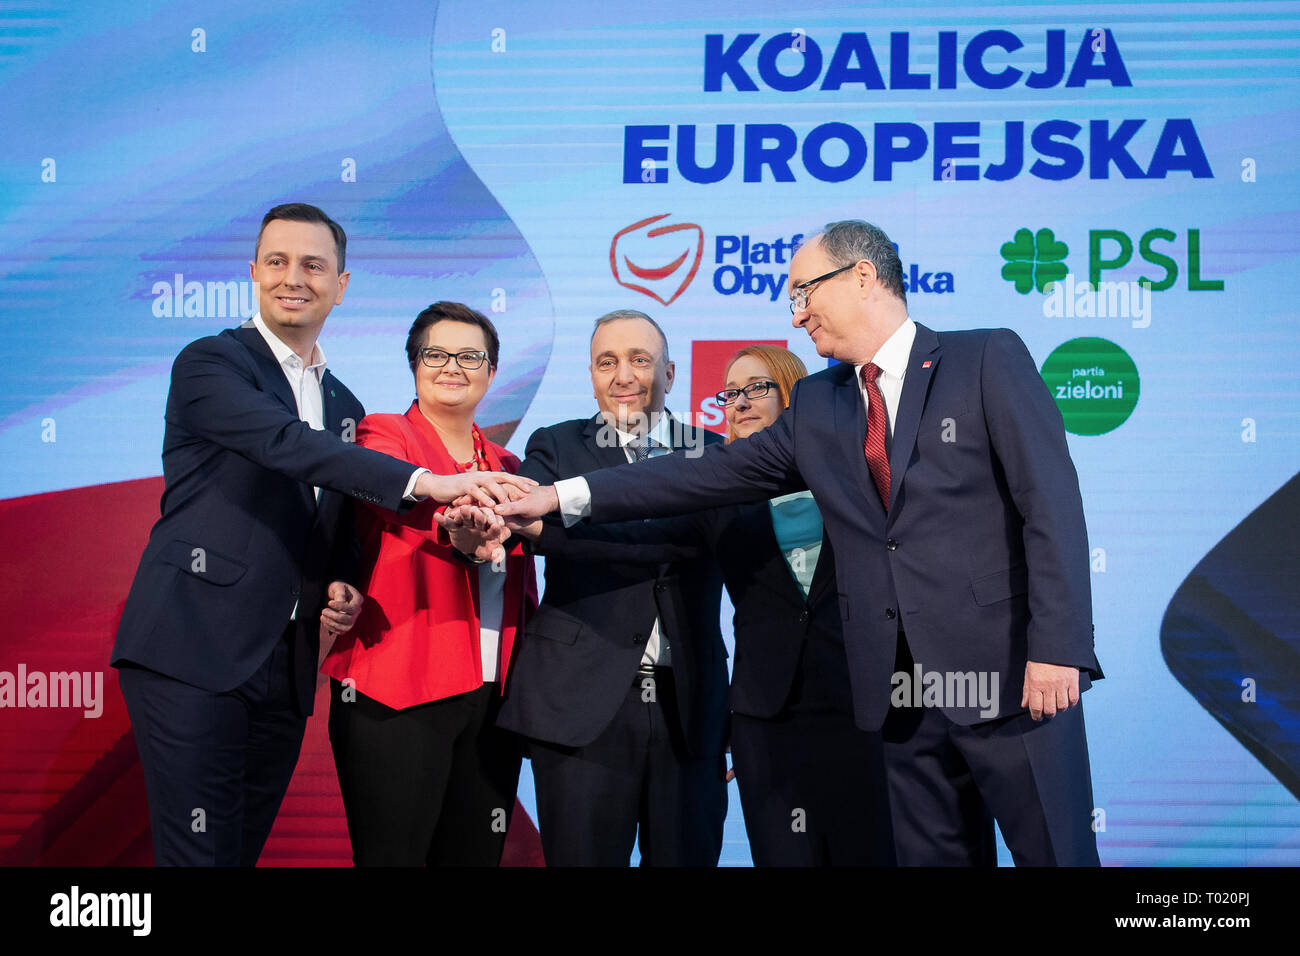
(877, 419)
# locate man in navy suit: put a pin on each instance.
(940, 464)
(621, 684)
(218, 642)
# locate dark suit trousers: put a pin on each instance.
(430, 785)
(947, 784)
(812, 786)
(637, 774)
(216, 765)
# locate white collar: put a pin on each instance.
(891, 358)
(662, 432)
(285, 355)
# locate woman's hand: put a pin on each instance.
(478, 532)
(484, 488)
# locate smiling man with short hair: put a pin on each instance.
(621, 684)
(218, 642)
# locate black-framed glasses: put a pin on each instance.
(799, 301)
(469, 359)
(751, 391)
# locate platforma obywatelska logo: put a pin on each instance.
(1034, 260)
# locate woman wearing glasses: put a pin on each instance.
(812, 785)
(426, 777)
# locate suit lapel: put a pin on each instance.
(433, 453)
(603, 444)
(822, 574)
(331, 407)
(765, 543)
(676, 432)
(851, 431)
(332, 413)
(274, 381)
(921, 365)
(271, 373)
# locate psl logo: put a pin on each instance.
(663, 282)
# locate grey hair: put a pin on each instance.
(630, 314)
(852, 240)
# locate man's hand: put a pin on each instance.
(538, 502)
(1049, 688)
(344, 605)
(525, 527)
(485, 488)
(475, 531)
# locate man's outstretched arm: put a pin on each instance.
(212, 398)
(749, 469)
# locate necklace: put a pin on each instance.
(480, 459)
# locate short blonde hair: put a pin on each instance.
(784, 366)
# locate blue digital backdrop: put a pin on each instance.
(1115, 182)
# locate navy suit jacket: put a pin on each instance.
(982, 558)
(773, 621)
(241, 538)
(586, 640)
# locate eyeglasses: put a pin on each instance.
(751, 391)
(468, 359)
(799, 301)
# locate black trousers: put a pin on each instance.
(812, 786)
(947, 784)
(634, 785)
(216, 765)
(431, 785)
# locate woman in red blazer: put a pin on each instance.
(426, 776)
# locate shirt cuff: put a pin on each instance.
(409, 494)
(575, 499)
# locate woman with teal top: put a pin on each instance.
(812, 785)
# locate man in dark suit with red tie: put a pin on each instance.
(941, 466)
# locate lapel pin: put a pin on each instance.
(926, 364)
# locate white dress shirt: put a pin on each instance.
(575, 504)
(491, 607)
(891, 358)
(305, 383)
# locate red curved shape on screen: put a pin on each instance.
(71, 791)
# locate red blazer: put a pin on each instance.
(417, 636)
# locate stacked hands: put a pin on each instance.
(474, 527)
(481, 530)
(485, 509)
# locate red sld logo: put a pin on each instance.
(664, 282)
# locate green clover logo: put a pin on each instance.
(1034, 260)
